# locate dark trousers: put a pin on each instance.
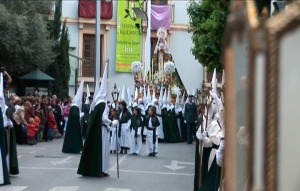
(191, 132)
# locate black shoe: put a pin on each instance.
(153, 154)
(134, 154)
(150, 154)
(110, 152)
(105, 174)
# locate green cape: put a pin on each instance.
(211, 178)
(13, 158)
(3, 146)
(85, 119)
(197, 167)
(91, 158)
(73, 139)
(168, 127)
(175, 125)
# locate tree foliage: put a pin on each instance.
(25, 41)
(207, 24)
(60, 67)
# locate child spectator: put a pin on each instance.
(31, 130)
(113, 131)
(51, 124)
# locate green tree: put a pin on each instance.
(64, 60)
(207, 24)
(25, 41)
(60, 67)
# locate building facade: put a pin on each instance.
(82, 44)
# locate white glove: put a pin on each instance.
(222, 145)
(81, 114)
(115, 122)
(220, 153)
(184, 121)
(200, 136)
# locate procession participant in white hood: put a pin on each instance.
(73, 138)
(4, 166)
(95, 154)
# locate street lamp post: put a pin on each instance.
(115, 95)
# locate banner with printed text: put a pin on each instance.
(128, 46)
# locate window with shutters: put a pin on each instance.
(88, 67)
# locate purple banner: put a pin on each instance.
(160, 16)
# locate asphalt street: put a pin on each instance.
(44, 167)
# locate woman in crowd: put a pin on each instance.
(51, 124)
(19, 122)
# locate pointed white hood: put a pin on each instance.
(102, 93)
(129, 95)
(88, 94)
(223, 79)
(194, 92)
(97, 87)
(160, 100)
(144, 95)
(136, 94)
(165, 97)
(182, 99)
(2, 98)
(148, 95)
(77, 99)
(169, 96)
(177, 98)
(153, 94)
(123, 93)
(214, 82)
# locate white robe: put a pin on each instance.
(125, 134)
(149, 140)
(105, 141)
(136, 142)
(114, 133)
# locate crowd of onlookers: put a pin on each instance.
(38, 118)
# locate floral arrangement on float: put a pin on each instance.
(136, 67)
(169, 67)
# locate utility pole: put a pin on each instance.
(97, 43)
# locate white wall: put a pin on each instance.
(73, 36)
(180, 13)
(190, 70)
(70, 8)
